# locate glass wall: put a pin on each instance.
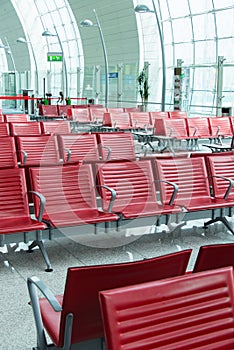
(197, 33)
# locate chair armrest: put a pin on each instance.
(35, 281)
(34, 284)
(109, 152)
(69, 152)
(42, 204)
(113, 196)
(174, 194)
(231, 184)
(25, 156)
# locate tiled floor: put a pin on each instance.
(17, 331)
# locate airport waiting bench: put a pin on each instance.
(75, 317)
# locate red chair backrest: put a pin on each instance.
(4, 129)
(132, 180)
(80, 115)
(67, 189)
(221, 165)
(190, 174)
(214, 256)
(78, 147)
(140, 119)
(8, 157)
(194, 311)
(171, 127)
(220, 126)
(30, 128)
(13, 199)
(121, 145)
(198, 127)
(55, 127)
(84, 283)
(40, 150)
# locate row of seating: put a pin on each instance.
(152, 303)
(38, 150)
(56, 111)
(118, 195)
(34, 128)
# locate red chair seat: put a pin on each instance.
(20, 224)
(146, 209)
(78, 217)
(51, 319)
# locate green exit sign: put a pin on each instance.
(54, 57)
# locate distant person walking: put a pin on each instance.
(61, 97)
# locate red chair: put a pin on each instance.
(214, 256)
(79, 115)
(8, 157)
(16, 118)
(177, 114)
(116, 146)
(75, 316)
(38, 150)
(30, 128)
(70, 196)
(4, 129)
(195, 311)
(78, 147)
(141, 120)
(55, 127)
(220, 127)
(193, 188)
(15, 218)
(117, 121)
(133, 182)
(48, 111)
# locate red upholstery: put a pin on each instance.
(157, 115)
(48, 111)
(221, 168)
(195, 311)
(177, 114)
(214, 256)
(80, 115)
(70, 195)
(118, 120)
(134, 184)
(115, 110)
(14, 207)
(8, 158)
(30, 128)
(140, 120)
(190, 174)
(55, 127)
(117, 145)
(63, 110)
(96, 114)
(131, 109)
(220, 126)
(84, 283)
(171, 127)
(78, 147)
(16, 118)
(38, 150)
(4, 129)
(198, 127)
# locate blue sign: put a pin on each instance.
(113, 75)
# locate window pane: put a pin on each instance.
(222, 3)
(204, 78)
(205, 52)
(185, 52)
(178, 9)
(198, 6)
(204, 27)
(225, 23)
(180, 34)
